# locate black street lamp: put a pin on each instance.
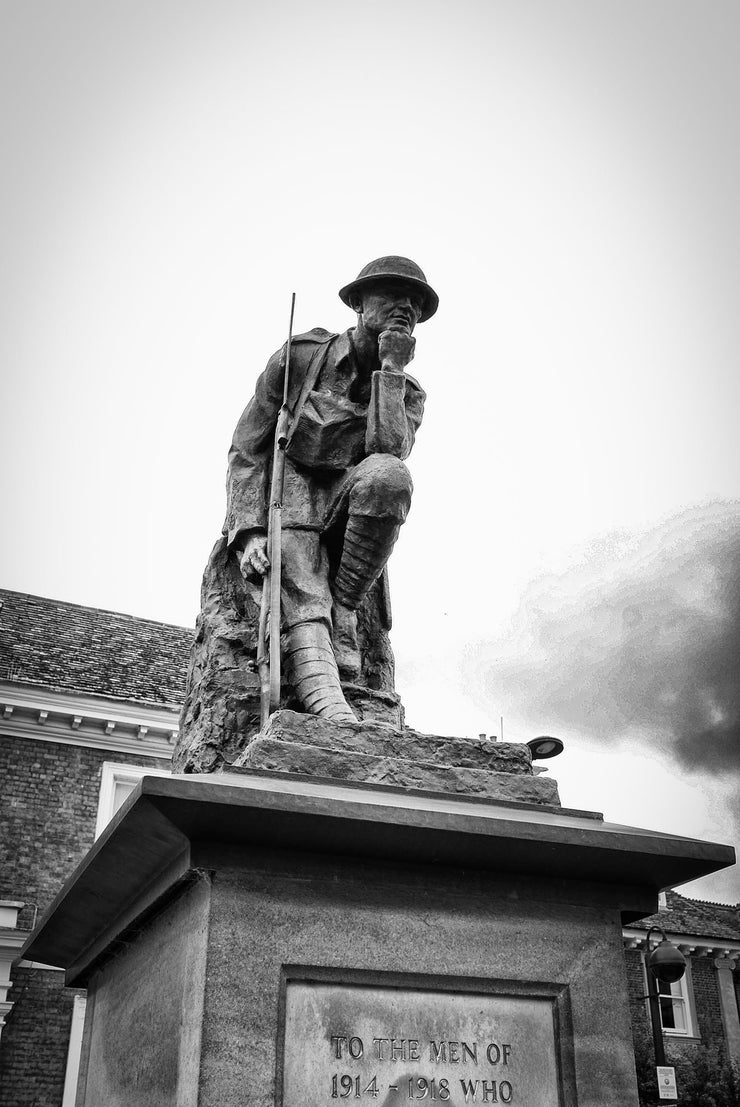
(666, 963)
(545, 746)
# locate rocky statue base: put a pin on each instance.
(221, 710)
(421, 921)
(372, 753)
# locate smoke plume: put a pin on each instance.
(641, 640)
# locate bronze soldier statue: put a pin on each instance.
(354, 414)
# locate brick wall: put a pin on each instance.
(47, 824)
(47, 817)
(33, 1049)
(706, 998)
(706, 1005)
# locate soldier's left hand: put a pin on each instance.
(254, 562)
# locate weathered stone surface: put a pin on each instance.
(373, 738)
(340, 476)
(221, 712)
(339, 764)
(333, 901)
(374, 753)
(371, 706)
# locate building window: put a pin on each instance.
(117, 782)
(673, 1007)
(676, 1006)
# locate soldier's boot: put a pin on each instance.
(368, 543)
(311, 668)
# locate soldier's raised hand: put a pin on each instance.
(254, 561)
(396, 350)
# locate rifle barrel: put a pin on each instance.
(286, 378)
(268, 664)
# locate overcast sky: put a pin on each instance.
(567, 174)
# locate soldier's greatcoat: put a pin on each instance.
(340, 416)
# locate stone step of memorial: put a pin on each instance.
(371, 753)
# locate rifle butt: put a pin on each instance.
(263, 662)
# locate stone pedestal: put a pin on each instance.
(259, 938)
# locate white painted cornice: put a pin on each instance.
(690, 944)
(11, 941)
(79, 720)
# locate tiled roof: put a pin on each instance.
(696, 917)
(71, 648)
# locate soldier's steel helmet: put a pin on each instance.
(397, 269)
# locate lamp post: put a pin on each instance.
(666, 963)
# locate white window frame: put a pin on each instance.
(683, 991)
(113, 774)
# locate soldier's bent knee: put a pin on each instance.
(382, 487)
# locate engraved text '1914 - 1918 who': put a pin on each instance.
(394, 1051)
(397, 1047)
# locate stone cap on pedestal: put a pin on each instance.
(148, 847)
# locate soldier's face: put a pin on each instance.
(391, 306)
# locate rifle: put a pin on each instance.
(268, 663)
